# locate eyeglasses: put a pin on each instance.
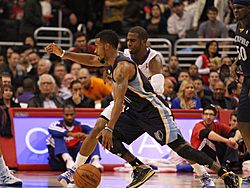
(77, 89)
(46, 83)
(83, 77)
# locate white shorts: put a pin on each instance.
(106, 113)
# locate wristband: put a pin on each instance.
(63, 53)
(108, 129)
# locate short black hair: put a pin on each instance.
(213, 9)
(109, 36)
(210, 107)
(79, 34)
(143, 34)
(73, 83)
(68, 106)
(232, 86)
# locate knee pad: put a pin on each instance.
(118, 147)
(191, 154)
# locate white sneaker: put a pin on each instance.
(95, 160)
(207, 181)
(67, 177)
(6, 178)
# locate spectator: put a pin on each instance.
(75, 68)
(43, 67)
(224, 72)
(212, 80)
(66, 139)
(113, 14)
(169, 93)
(32, 18)
(64, 91)
(193, 72)
(47, 97)
(202, 9)
(29, 41)
(234, 89)
(209, 60)
(217, 140)
(180, 22)
(212, 28)
(200, 88)
(8, 99)
(80, 44)
(6, 78)
(2, 62)
(78, 100)
(59, 71)
(218, 98)
(156, 24)
(94, 88)
(186, 97)
(28, 92)
(17, 75)
(173, 65)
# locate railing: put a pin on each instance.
(46, 35)
(188, 49)
(160, 44)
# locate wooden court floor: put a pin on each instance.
(43, 179)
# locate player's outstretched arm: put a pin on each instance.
(81, 58)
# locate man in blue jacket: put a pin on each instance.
(65, 141)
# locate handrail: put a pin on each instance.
(60, 35)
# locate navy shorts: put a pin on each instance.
(132, 124)
(244, 101)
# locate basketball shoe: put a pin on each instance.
(232, 180)
(7, 178)
(207, 181)
(67, 177)
(140, 175)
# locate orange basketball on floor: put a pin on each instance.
(87, 176)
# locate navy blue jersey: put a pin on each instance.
(140, 93)
(242, 38)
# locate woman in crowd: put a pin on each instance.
(209, 60)
(186, 97)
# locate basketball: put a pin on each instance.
(87, 176)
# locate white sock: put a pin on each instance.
(80, 160)
(199, 169)
(95, 157)
(2, 163)
(66, 156)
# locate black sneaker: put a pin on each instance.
(232, 180)
(140, 175)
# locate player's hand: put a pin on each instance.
(54, 49)
(107, 139)
(231, 142)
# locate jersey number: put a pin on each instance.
(242, 53)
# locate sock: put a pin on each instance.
(2, 163)
(95, 157)
(66, 156)
(199, 170)
(80, 160)
(221, 172)
(136, 162)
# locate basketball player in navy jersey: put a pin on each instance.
(145, 111)
(241, 9)
(150, 63)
